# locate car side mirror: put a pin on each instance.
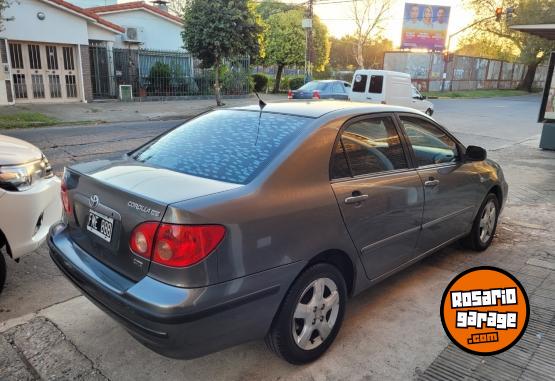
(423, 97)
(475, 153)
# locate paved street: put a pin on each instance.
(392, 331)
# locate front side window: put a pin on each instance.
(369, 146)
(415, 93)
(228, 145)
(359, 86)
(431, 145)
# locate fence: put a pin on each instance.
(463, 73)
(155, 73)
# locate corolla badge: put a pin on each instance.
(143, 209)
(93, 201)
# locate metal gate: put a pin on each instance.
(158, 73)
(112, 67)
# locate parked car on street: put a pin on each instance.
(29, 199)
(326, 89)
(388, 87)
(260, 222)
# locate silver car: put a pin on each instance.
(252, 223)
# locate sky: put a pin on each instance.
(338, 17)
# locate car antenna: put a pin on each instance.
(261, 104)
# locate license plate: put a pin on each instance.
(100, 225)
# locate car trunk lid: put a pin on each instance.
(125, 194)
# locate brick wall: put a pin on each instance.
(86, 64)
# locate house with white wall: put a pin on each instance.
(44, 51)
(146, 25)
(57, 51)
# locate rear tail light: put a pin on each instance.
(290, 94)
(65, 197)
(175, 245)
(142, 239)
(315, 94)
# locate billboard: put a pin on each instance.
(547, 109)
(425, 26)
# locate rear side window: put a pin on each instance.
(368, 146)
(231, 146)
(338, 88)
(376, 84)
(359, 86)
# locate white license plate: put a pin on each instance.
(100, 225)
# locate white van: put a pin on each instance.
(388, 87)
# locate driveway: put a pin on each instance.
(392, 331)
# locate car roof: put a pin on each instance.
(319, 108)
(388, 72)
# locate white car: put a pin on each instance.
(30, 199)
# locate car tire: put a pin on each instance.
(303, 329)
(484, 225)
(2, 271)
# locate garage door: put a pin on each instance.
(44, 72)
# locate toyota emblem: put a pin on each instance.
(93, 201)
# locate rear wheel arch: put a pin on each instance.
(342, 261)
(334, 257)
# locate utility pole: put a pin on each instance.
(307, 24)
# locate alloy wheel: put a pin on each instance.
(316, 313)
(487, 221)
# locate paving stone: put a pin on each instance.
(51, 355)
(11, 365)
(536, 271)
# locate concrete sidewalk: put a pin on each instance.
(116, 111)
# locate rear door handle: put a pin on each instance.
(431, 183)
(356, 199)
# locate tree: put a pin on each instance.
(532, 50)
(485, 45)
(286, 42)
(177, 7)
(267, 8)
(343, 52)
(216, 30)
(3, 5)
(369, 16)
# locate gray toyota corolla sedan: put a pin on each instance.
(245, 223)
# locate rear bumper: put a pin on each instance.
(177, 322)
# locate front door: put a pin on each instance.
(44, 72)
(449, 186)
(380, 197)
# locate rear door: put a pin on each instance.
(450, 185)
(380, 196)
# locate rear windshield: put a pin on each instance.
(311, 86)
(227, 145)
